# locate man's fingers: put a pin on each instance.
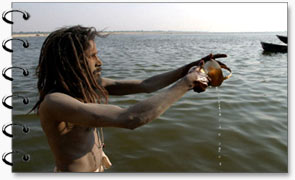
(219, 56)
(207, 57)
(192, 69)
(195, 68)
(198, 68)
(200, 87)
(215, 56)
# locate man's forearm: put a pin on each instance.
(154, 83)
(149, 109)
(160, 81)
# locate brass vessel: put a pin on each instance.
(213, 69)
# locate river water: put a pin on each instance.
(251, 135)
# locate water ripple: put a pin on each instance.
(184, 139)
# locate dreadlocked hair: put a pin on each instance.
(63, 66)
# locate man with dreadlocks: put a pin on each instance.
(73, 98)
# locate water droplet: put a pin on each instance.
(219, 127)
(219, 149)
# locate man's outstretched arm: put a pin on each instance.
(61, 107)
(152, 84)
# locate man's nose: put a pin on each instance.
(98, 62)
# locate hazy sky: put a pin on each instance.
(213, 17)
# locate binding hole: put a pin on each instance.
(26, 157)
(26, 44)
(26, 100)
(26, 130)
(26, 15)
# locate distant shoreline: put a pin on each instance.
(30, 35)
(137, 33)
(110, 33)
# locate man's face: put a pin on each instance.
(93, 60)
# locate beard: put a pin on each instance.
(98, 80)
(97, 75)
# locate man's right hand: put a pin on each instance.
(197, 79)
(207, 58)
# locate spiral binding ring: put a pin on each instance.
(25, 44)
(25, 72)
(25, 100)
(26, 15)
(25, 158)
(26, 130)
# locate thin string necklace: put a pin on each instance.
(101, 137)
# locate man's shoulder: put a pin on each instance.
(56, 97)
(57, 101)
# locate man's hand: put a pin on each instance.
(207, 58)
(197, 79)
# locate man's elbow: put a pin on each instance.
(133, 121)
(132, 127)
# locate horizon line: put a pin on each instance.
(19, 32)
